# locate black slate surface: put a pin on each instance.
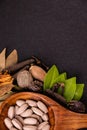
(53, 30)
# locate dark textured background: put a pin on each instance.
(53, 30)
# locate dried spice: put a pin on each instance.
(12, 59)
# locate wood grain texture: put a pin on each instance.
(60, 117)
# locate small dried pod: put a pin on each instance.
(42, 106)
(24, 79)
(30, 121)
(31, 103)
(20, 102)
(37, 72)
(17, 124)
(29, 127)
(26, 113)
(41, 125)
(37, 111)
(11, 112)
(8, 123)
(21, 109)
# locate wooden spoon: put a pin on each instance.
(60, 117)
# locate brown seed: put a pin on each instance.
(37, 72)
(24, 78)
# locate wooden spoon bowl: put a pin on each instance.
(60, 117)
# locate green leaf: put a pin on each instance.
(50, 77)
(79, 91)
(61, 79)
(70, 88)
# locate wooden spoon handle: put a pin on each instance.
(68, 120)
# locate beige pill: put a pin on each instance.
(11, 112)
(13, 128)
(31, 103)
(29, 127)
(42, 106)
(42, 125)
(37, 111)
(37, 117)
(8, 123)
(30, 121)
(21, 109)
(20, 102)
(20, 119)
(17, 124)
(26, 113)
(45, 117)
(46, 127)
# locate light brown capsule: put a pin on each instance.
(42, 106)
(37, 72)
(11, 112)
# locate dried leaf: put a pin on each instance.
(2, 59)
(5, 88)
(5, 96)
(12, 58)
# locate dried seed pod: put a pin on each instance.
(42, 106)
(24, 79)
(17, 124)
(12, 58)
(11, 112)
(26, 113)
(30, 121)
(76, 106)
(31, 103)
(29, 127)
(20, 102)
(37, 72)
(37, 111)
(21, 109)
(8, 123)
(41, 125)
(2, 59)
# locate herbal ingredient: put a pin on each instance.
(33, 75)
